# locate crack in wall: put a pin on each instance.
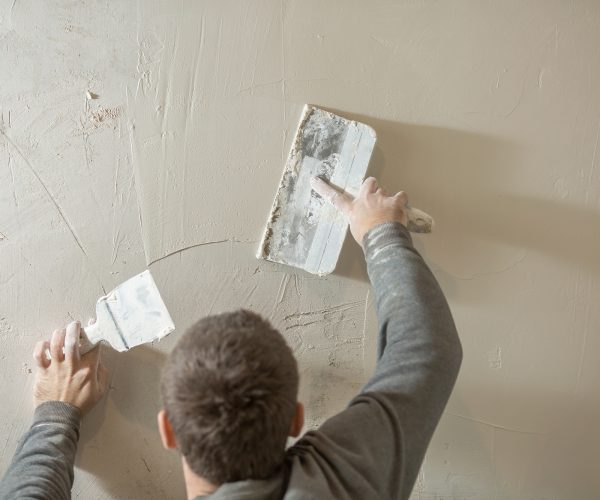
(58, 208)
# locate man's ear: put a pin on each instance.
(297, 421)
(166, 430)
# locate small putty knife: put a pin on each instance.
(132, 314)
(302, 229)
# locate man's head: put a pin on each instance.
(229, 391)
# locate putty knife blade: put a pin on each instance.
(132, 314)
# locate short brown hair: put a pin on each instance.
(229, 388)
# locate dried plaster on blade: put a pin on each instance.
(290, 166)
(302, 230)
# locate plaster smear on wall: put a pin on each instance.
(69, 217)
(207, 116)
(487, 114)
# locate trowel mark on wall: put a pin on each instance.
(328, 310)
(119, 202)
(282, 288)
(250, 294)
(297, 285)
(540, 80)
(296, 342)
(321, 327)
(179, 251)
(561, 188)
(3, 120)
(495, 359)
(14, 188)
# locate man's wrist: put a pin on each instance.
(384, 234)
(57, 412)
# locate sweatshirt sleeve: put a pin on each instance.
(375, 447)
(42, 467)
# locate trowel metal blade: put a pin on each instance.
(133, 314)
(303, 230)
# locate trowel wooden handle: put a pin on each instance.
(418, 221)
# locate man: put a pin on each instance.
(230, 388)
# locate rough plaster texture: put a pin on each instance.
(487, 113)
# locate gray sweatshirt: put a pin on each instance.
(373, 449)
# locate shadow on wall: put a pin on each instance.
(464, 181)
(556, 458)
(120, 443)
(134, 388)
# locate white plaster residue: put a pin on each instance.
(103, 114)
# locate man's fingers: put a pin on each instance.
(402, 198)
(339, 200)
(368, 186)
(72, 342)
(39, 354)
(57, 343)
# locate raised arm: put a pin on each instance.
(375, 447)
(67, 386)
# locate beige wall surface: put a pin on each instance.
(487, 114)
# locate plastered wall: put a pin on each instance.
(488, 115)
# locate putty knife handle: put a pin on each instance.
(418, 221)
(89, 338)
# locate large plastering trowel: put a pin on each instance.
(132, 314)
(303, 230)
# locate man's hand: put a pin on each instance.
(68, 377)
(370, 208)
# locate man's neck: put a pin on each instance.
(194, 484)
